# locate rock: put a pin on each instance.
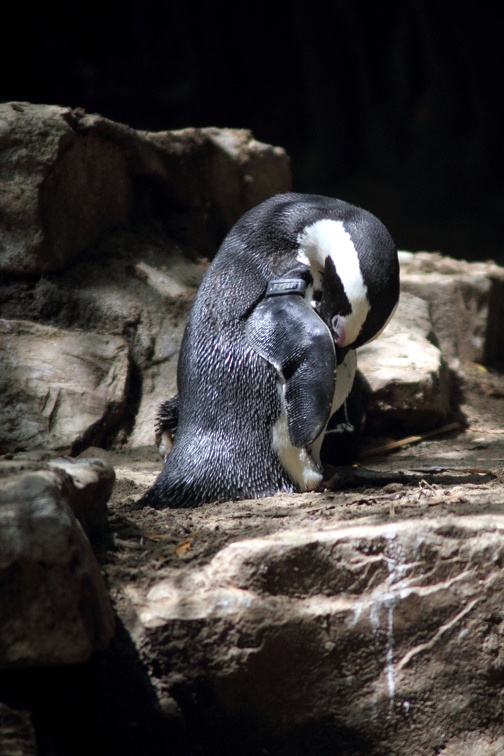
(473, 743)
(16, 732)
(144, 292)
(59, 388)
(136, 281)
(411, 388)
(90, 480)
(466, 302)
(159, 382)
(220, 173)
(54, 605)
(377, 637)
(68, 178)
(59, 191)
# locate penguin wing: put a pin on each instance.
(291, 337)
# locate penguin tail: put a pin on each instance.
(157, 498)
(149, 499)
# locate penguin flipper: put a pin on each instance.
(287, 333)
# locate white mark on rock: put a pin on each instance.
(395, 574)
(437, 636)
(397, 588)
(389, 661)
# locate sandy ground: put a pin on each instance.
(459, 472)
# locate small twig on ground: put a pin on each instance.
(374, 451)
(355, 475)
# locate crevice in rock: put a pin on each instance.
(119, 433)
(494, 337)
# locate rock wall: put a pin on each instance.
(365, 631)
(54, 605)
(104, 234)
(67, 178)
(374, 633)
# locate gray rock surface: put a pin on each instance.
(54, 604)
(349, 622)
(466, 302)
(59, 190)
(411, 386)
(219, 173)
(67, 178)
(58, 387)
(88, 483)
(363, 627)
(359, 625)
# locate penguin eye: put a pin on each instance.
(338, 328)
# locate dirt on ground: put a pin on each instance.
(454, 473)
(457, 472)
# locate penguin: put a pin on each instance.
(166, 425)
(268, 353)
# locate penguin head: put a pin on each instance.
(356, 277)
(335, 309)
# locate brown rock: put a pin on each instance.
(382, 638)
(67, 178)
(411, 386)
(91, 479)
(58, 387)
(59, 190)
(54, 605)
(466, 302)
(219, 172)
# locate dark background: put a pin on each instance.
(395, 105)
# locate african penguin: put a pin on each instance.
(268, 354)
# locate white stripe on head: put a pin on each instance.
(329, 238)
